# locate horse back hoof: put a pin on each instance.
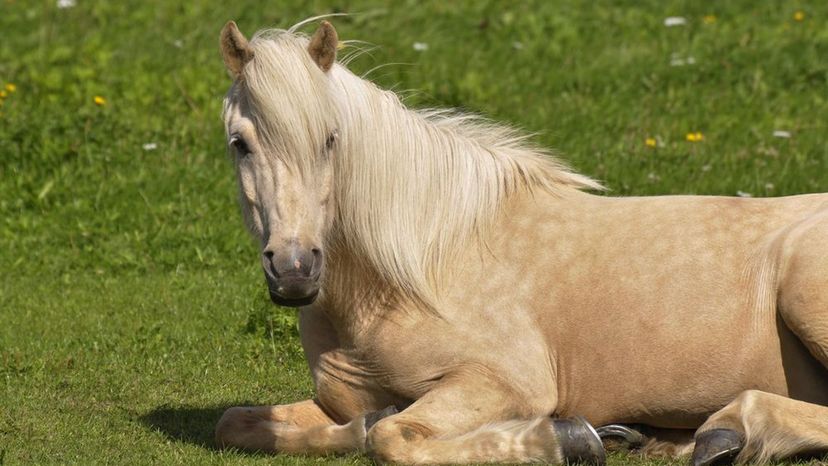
(717, 447)
(579, 441)
(627, 435)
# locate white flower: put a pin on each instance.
(769, 186)
(150, 146)
(677, 60)
(674, 21)
(743, 194)
(178, 43)
(781, 134)
(706, 168)
(653, 176)
(420, 46)
(517, 45)
(66, 3)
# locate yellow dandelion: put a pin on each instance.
(3, 94)
(99, 101)
(11, 87)
(650, 142)
(799, 16)
(695, 137)
(709, 19)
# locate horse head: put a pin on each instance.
(280, 125)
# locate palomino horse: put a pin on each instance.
(457, 286)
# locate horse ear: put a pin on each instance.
(322, 47)
(235, 49)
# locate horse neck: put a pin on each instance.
(411, 192)
(353, 294)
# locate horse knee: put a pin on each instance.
(390, 441)
(245, 428)
(227, 426)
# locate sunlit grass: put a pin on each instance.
(131, 307)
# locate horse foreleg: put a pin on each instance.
(466, 421)
(759, 426)
(295, 428)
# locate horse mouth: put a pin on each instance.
(293, 302)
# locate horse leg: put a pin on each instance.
(759, 426)
(295, 428)
(803, 285)
(668, 443)
(647, 441)
(465, 420)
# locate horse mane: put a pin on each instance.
(412, 188)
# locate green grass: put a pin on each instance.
(132, 309)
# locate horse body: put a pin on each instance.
(599, 316)
(652, 307)
(457, 273)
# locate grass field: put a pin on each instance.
(132, 309)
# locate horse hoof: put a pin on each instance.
(579, 441)
(631, 437)
(375, 416)
(717, 447)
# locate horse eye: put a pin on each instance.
(239, 144)
(331, 140)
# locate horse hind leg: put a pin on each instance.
(803, 286)
(759, 427)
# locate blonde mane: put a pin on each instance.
(411, 187)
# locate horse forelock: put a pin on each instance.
(411, 188)
(287, 98)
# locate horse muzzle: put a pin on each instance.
(293, 291)
(293, 277)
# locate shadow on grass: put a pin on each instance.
(189, 424)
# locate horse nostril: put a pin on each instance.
(317, 257)
(267, 262)
(316, 265)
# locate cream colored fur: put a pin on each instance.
(470, 280)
